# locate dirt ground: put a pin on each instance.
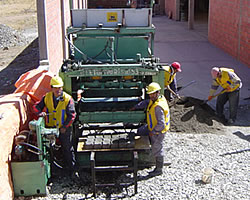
(191, 115)
(188, 116)
(16, 60)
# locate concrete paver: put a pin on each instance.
(175, 42)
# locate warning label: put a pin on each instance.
(112, 17)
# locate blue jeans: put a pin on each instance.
(233, 98)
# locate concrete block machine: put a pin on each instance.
(111, 61)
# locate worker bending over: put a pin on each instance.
(231, 83)
(170, 80)
(158, 123)
(59, 111)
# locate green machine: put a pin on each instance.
(30, 165)
(111, 61)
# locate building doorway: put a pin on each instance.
(201, 9)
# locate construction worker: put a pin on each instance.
(59, 111)
(170, 80)
(231, 83)
(158, 123)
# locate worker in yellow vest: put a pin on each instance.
(231, 84)
(158, 123)
(59, 111)
(170, 83)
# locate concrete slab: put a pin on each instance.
(175, 42)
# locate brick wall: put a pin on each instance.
(57, 17)
(229, 27)
(79, 3)
(54, 34)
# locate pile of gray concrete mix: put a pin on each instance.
(191, 115)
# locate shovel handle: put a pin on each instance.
(216, 95)
(168, 88)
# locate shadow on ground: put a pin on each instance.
(28, 59)
(122, 185)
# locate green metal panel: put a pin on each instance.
(83, 158)
(40, 124)
(114, 117)
(159, 79)
(67, 87)
(95, 47)
(107, 44)
(29, 178)
(111, 31)
(128, 47)
(113, 70)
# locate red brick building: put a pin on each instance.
(229, 27)
(228, 23)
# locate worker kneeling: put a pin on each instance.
(158, 123)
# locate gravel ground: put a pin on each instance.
(10, 37)
(188, 154)
(19, 53)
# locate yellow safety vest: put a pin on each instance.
(169, 77)
(56, 116)
(225, 81)
(151, 118)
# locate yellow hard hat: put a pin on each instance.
(56, 81)
(153, 87)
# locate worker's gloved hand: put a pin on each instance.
(62, 130)
(178, 96)
(42, 114)
(151, 133)
(228, 88)
(209, 98)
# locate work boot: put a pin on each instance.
(230, 122)
(74, 177)
(158, 168)
(222, 118)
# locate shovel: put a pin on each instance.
(188, 84)
(168, 88)
(205, 101)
